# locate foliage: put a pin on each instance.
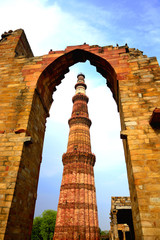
(44, 225)
(48, 224)
(36, 229)
(103, 233)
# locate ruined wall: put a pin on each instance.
(139, 96)
(121, 225)
(26, 88)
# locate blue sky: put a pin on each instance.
(55, 25)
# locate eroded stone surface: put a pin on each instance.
(121, 225)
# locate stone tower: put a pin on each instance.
(77, 209)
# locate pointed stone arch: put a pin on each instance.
(52, 75)
(27, 86)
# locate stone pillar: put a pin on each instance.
(115, 225)
(124, 234)
(111, 235)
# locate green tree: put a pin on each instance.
(36, 235)
(48, 224)
(103, 233)
(44, 225)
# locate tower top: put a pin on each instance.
(80, 75)
(80, 85)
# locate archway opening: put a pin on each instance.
(110, 169)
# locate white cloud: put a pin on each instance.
(54, 25)
(62, 104)
(38, 21)
(46, 27)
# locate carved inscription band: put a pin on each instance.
(80, 170)
(80, 97)
(78, 120)
(74, 205)
(78, 186)
(76, 229)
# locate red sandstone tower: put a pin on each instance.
(77, 217)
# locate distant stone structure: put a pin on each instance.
(121, 225)
(27, 84)
(77, 209)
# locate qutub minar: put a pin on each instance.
(77, 216)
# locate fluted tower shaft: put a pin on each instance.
(77, 208)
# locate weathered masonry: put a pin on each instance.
(26, 87)
(77, 216)
(121, 219)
